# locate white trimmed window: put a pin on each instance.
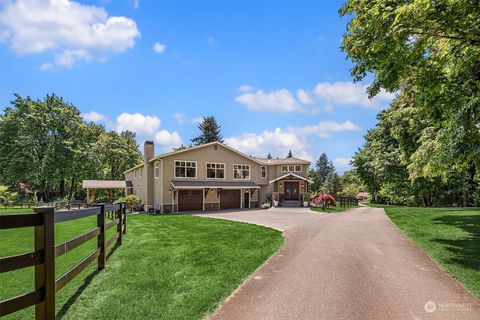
(241, 172)
(215, 170)
(264, 172)
(292, 168)
(157, 169)
(134, 174)
(185, 169)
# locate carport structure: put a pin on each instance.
(110, 185)
(213, 195)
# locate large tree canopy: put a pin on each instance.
(429, 53)
(432, 49)
(46, 145)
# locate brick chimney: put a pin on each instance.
(148, 150)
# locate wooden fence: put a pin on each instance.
(43, 258)
(348, 202)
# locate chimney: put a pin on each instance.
(148, 150)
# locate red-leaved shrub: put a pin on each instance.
(326, 198)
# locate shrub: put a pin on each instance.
(133, 202)
(325, 199)
(266, 205)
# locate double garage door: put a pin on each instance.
(189, 200)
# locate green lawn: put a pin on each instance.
(332, 209)
(450, 236)
(170, 267)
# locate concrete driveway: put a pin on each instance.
(351, 265)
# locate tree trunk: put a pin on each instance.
(62, 188)
(70, 192)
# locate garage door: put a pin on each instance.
(230, 199)
(189, 200)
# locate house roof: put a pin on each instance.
(134, 168)
(106, 184)
(291, 175)
(213, 184)
(292, 160)
(203, 146)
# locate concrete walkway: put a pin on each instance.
(351, 265)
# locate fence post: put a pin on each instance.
(124, 218)
(101, 237)
(120, 225)
(45, 272)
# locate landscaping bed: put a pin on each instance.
(169, 267)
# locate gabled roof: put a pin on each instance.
(293, 175)
(203, 146)
(292, 160)
(134, 168)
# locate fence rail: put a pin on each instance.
(348, 202)
(45, 252)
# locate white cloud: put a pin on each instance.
(73, 32)
(93, 116)
(342, 164)
(159, 47)
(168, 139)
(304, 97)
(280, 141)
(139, 123)
(325, 129)
(278, 101)
(348, 93)
(245, 88)
(181, 118)
(277, 142)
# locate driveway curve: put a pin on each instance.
(351, 265)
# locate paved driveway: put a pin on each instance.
(352, 265)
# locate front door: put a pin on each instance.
(291, 190)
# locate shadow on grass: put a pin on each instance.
(465, 250)
(66, 306)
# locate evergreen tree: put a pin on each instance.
(290, 155)
(209, 131)
(332, 184)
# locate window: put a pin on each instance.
(134, 174)
(157, 169)
(215, 170)
(185, 169)
(264, 172)
(241, 172)
(292, 168)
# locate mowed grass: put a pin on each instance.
(450, 236)
(169, 267)
(332, 209)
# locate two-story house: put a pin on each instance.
(215, 176)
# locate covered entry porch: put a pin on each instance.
(290, 188)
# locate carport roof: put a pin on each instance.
(213, 184)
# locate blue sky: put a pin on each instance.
(271, 72)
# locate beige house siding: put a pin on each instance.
(202, 156)
(157, 192)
